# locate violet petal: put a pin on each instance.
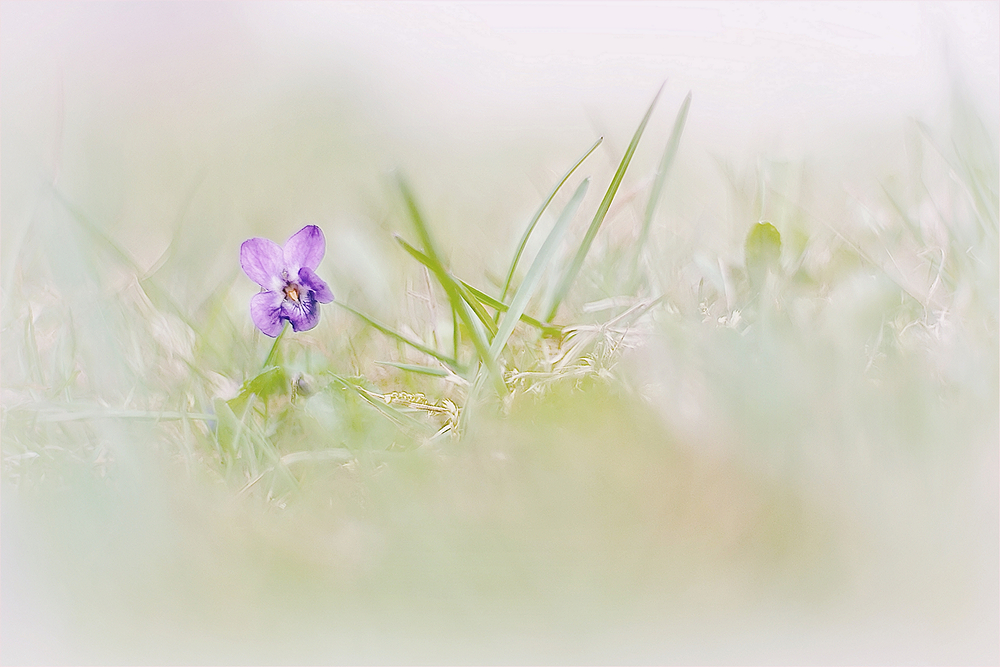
(265, 311)
(305, 248)
(263, 261)
(309, 279)
(304, 313)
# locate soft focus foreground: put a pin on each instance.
(734, 444)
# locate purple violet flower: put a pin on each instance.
(290, 289)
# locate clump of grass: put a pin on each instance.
(613, 431)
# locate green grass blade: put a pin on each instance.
(392, 333)
(534, 275)
(661, 174)
(451, 288)
(484, 298)
(538, 215)
(474, 303)
(602, 211)
(413, 368)
(501, 307)
(70, 412)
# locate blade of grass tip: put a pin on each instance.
(602, 211)
(451, 288)
(477, 307)
(392, 333)
(534, 275)
(538, 215)
(661, 174)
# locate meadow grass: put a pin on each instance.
(652, 429)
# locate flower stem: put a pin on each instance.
(274, 348)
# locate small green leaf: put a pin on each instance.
(270, 382)
(763, 250)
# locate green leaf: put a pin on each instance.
(538, 215)
(602, 211)
(270, 382)
(763, 250)
(532, 278)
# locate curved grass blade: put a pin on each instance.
(420, 347)
(534, 275)
(500, 306)
(477, 307)
(602, 211)
(451, 288)
(538, 215)
(413, 368)
(484, 298)
(661, 174)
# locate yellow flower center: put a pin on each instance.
(292, 292)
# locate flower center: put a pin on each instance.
(292, 292)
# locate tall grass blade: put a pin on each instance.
(452, 288)
(661, 174)
(602, 211)
(484, 298)
(469, 298)
(538, 215)
(534, 275)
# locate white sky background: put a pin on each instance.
(755, 68)
(442, 89)
(782, 70)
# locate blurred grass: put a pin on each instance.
(712, 460)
